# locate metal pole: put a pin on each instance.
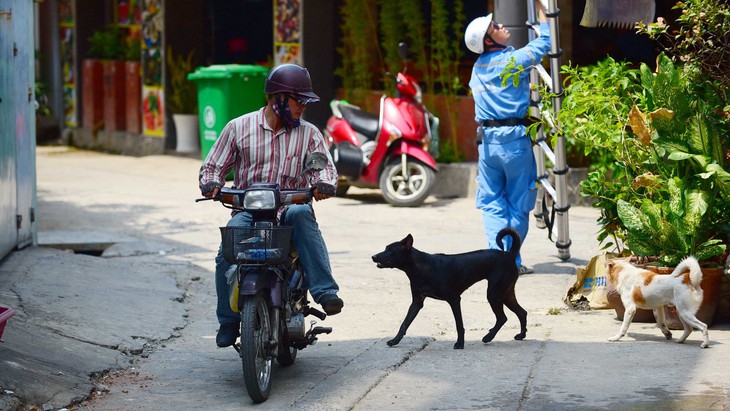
(512, 16)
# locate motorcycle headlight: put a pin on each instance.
(259, 200)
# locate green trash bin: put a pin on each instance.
(225, 92)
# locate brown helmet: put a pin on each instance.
(290, 78)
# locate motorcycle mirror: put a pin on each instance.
(403, 50)
(315, 162)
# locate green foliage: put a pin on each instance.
(133, 49)
(445, 58)
(182, 95)
(435, 54)
(449, 152)
(700, 38)
(357, 49)
(413, 31)
(391, 35)
(107, 44)
(110, 43)
(446, 48)
(665, 191)
(42, 99)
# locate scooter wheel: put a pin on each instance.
(409, 189)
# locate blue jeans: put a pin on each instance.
(506, 190)
(313, 257)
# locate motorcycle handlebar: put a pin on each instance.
(233, 196)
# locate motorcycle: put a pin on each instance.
(394, 150)
(268, 280)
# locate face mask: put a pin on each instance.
(281, 109)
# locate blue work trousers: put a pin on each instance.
(506, 189)
(308, 242)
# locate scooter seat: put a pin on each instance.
(361, 121)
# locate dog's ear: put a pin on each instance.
(407, 242)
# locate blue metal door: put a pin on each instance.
(8, 181)
(24, 120)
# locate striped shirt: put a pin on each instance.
(257, 154)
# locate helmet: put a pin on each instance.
(475, 32)
(290, 78)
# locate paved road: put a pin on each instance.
(145, 311)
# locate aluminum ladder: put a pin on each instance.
(541, 149)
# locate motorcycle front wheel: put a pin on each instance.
(256, 347)
(286, 354)
(409, 189)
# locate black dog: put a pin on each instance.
(446, 277)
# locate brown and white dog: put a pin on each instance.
(640, 288)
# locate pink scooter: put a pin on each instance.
(394, 150)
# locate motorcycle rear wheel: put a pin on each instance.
(256, 355)
(409, 190)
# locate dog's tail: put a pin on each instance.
(516, 242)
(695, 273)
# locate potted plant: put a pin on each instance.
(182, 101)
(108, 45)
(133, 80)
(663, 188)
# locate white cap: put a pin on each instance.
(475, 31)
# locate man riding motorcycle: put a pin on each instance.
(270, 145)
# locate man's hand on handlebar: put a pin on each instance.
(211, 189)
(323, 191)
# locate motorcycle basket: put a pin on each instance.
(256, 245)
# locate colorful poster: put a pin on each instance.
(65, 12)
(153, 113)
(129, 12)
(68, 73)
(287, 31)
(152, 23)
(153, 91)
(69, 105)
(152, 67)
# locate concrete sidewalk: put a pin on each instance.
(148, 266)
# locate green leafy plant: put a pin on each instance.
(182, 94)
(435, 55)
(358, 50)
(42, 99)
(132, 49)
(107, 44)
(700, 37)
(666, 193)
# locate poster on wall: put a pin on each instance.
(68, 74)
(129, 12)
(287, 31)
(153, 94)
(153, 114)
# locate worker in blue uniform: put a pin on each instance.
(506, 179)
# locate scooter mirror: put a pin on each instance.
(315, 162)
(403, 50)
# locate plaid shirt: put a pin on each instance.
(257, 154)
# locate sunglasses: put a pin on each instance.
(495, 26)
(300, 102)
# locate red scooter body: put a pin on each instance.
(393, 151)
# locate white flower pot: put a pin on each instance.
(186, 127)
